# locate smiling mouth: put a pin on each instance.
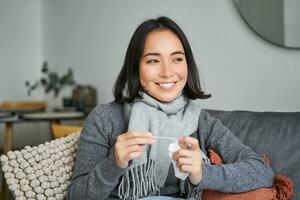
(167, 85)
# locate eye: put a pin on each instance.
(152, 61)
(177, 60)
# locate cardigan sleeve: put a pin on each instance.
(96, 172)
(244, 169)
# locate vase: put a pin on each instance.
(53, 101)
(58, 101)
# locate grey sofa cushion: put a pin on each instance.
(276, 134)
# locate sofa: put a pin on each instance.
(275, 134)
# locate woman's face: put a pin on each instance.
(163, 66)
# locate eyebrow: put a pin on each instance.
(158, 54)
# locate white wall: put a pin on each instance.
(291, 22)
(20, 60)
(20, 46)
(241, 70)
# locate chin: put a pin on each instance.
(163, 95)
(166, 98)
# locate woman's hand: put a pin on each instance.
(130, 145)
(189, 158)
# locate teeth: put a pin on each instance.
(166, 85)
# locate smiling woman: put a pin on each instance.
(126, 150)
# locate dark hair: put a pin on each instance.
(128, 77)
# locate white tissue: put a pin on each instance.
(173, 147)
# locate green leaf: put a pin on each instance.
(45, 68)
(44, 81)
(53, 78)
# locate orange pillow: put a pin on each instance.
(282, 189)
(258, 194)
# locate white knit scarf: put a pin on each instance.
(147, 174)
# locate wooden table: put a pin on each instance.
(4, 115)
(26, 116)
(9, 116)
(8, 134)
(53, 117)
(18, 111)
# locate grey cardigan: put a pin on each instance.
(96, 174)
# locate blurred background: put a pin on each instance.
(247, 53)
(238, 67)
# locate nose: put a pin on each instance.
(166, 70)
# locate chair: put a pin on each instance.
(59, 130)
(17, 108)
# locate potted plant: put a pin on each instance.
(51, 81)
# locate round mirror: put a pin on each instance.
(277, 21)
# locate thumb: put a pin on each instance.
(191, 143)
(182, 143)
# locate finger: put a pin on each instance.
(123, 149)
(139, 141)
(186, 168)
(135, 148)
(134, 155)
(182, 143)
(184, 161)
(192, 143)
(136, 134)
(182, 153)
(122, 153)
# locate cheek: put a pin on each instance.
(183, 72)
(146, 75)
(143, 76)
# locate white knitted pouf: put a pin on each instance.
(41, 172)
